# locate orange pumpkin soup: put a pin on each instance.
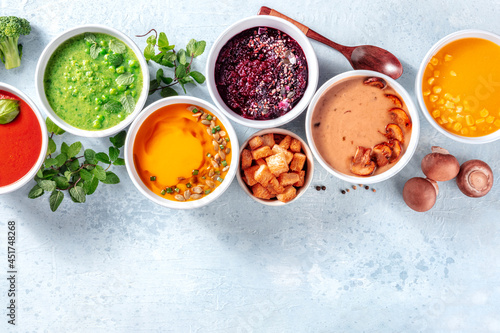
(182, 152)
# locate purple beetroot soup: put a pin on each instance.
(261, 73)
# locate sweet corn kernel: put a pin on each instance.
(473, 128)
(433, 98)
(436, 113)
(449, 105)
(451, 120)
(453, 73)
(469, 120)
(431, 80)
(448, 96)
(427, 92)
(456, 99)
(459, 108)
(457, 127)
(479, 121)
(441, 102)
(464, 131)
(484, 113)
(490, 119)
(436, 89)
(444, 120)
(448, 57)
(459, 117)
(436, 73)
(497, 123)
(440, 122)
(434, 61)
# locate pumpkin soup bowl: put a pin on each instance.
(181, 152)
(92, 79)
(34, 124)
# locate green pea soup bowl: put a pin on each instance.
(92, 81)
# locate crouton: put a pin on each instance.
(295, 146)
(250, 175)
(289, 194)
(246, 159)
(274, 186)
(261, 192)
(261, 152)
(302, 179)
(285, 143)
(260, 161)
(277, 164)
(288, 154)
(268, 139)
(263, 175)
(255, 142)
(298, 162)
(286, 179)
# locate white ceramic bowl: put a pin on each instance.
(415, 132)
(309, 164)
(44, 59)
(472, 33)
(291, 30)
(45, 140)
(129, 154)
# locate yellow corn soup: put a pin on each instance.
(461, 87)
(182, 152)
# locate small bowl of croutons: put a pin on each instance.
(276, 167)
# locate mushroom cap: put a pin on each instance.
(475, 178)
(420, 194)
(440, 165)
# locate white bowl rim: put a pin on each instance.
(310, 167)
(45, 141)
(415, 132)
(305, 44)
(467, 33)
(129, 147)
(50, 49)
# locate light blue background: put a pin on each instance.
(326, 263)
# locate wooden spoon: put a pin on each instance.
(361, 57)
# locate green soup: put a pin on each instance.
(93, 81)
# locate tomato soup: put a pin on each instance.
(461, 87)
(20, 142)
(182, 152)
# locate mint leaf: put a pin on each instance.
(113, 153)
(102, 157)
(151, 40)
(180, 71)
(61, 159)
(52, 147)
(77, 194)
(149, 52)
(181, 57)
(50, 162)
(61, 182)
(64, 148)
(74, 165)
(190, 47)
(197, 76)
(119, 161)
(86, 175)
(167, 80)
(115, 59)
(89, 37)
(55, 200)
(111, 178)
(112, 106)
(167, 92)
(159, 74)
(125, 79)
(128, 103)
(118, 140)
(68, 175)
(47, 185)
(94, 51)
(90, 186)
(39, 173)
(89, 155)
(117, 47)
(99, 172)
(162, 40)
(53, 128)
(199, 48)
(36, 192)
(74, 149)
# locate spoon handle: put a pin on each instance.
(345, 50)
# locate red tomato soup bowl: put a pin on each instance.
(23, 142)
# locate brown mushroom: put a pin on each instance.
(440, 165)
(475, 178)
(420, 193)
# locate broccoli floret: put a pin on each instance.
(11, 27)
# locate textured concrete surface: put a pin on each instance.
(327, 263)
